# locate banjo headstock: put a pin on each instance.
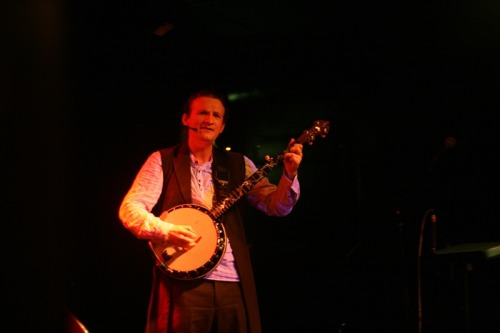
(319, 128)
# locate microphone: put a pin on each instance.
(449, 143)
(192, 129)
(433, 232)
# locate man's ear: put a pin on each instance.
(222, 128)
(184, 119)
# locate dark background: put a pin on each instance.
(90, 89)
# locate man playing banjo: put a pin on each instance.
(169, 205)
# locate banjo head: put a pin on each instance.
(198, 261)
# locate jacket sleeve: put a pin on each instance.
(272, 199)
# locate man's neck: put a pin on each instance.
(201, 153)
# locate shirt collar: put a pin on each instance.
(194, 161)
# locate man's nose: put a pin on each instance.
(210, 117)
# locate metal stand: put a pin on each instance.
(468, 254)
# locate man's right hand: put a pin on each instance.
(182, 236)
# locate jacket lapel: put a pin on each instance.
(182, 170)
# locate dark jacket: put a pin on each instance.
(177, 191)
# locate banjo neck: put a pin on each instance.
(232, 197)
(320, 127)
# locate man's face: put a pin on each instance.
(205, 119)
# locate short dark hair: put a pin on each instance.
(206, 93)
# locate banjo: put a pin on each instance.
(196, 262)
